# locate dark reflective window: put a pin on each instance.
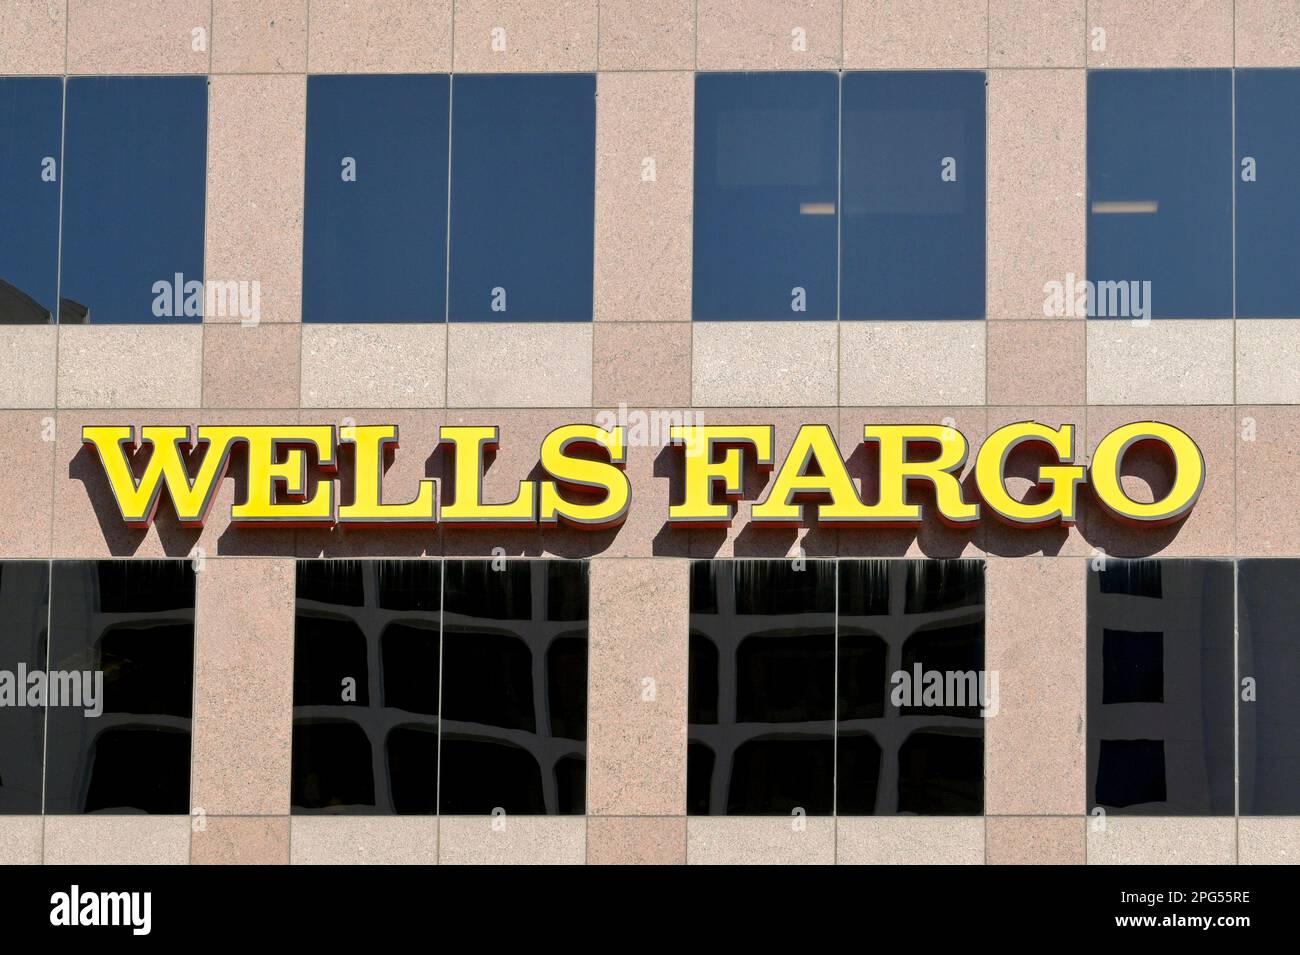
(761, 736)
(1133, 666)
(1160, 688)
(508, 658)
(523, 176)
(413, 768)
(375, 227)
(703, 676)
(566, 684)
(514, 676)
(404, 585)
(365, 686)
(24, 606)
(863, 681)
(1268, 193)
(766, 191)
(31, 137)
(1269, 655)
(941, 773)
(1136, 578)
(479, 590)
(334, 767)
(866, 592)
(913, 194)
(794, 705)
(483, 775)
(1159, 192)
(912, 685)
(334, 651)
(1131, 772)
(134, 622)
(133, 199)
(408, 656)
(331, 582)
(377, 679)
(942, 585)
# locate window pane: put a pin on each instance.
(514, 663)
(913, 194)
(1159, 192)
(1268, 208)
(365, 687)
(1160, 688)
(523, 182)
(766, 188)
(24, 605)
(31, 132)
(762, 697)
(1269, 654)
(910, 733)
(132, 621)
(375, 229)
(136, 150)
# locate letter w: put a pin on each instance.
(170, 447)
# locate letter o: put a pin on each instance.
(1189, 473)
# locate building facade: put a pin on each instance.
(453, 216)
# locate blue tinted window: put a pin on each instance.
(912, 239)
(133, 199)
(523, 180)
(375, 229)
(1160, 188)
(766, 188)
(31, 122)
(1268, 205)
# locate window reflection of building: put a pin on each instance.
(366, 686)
(762, 688)
(134, 621)
(514, 666)
(19, 308)
(772, 663)
(901, 616)
(503, 728)
(1160, 687)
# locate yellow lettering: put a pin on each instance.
(813, 445)
(897, 469)
(466, 506)
(268, 476)
(700, 506)
(990, 474)
(1108, 459)
(367, 507)
(138, 501)
(585, 476)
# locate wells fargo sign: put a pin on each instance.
(586, 485)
